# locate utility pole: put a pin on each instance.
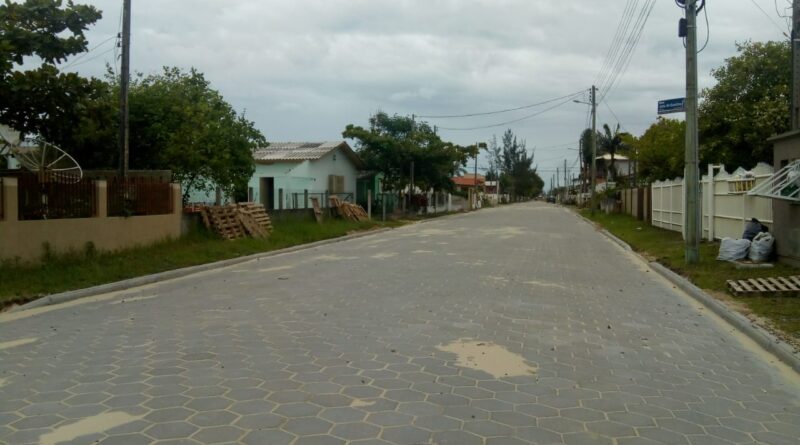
(475, 178)
(691, 183)
(411, 189)
(124, 138)
(796, 65)
(566, 185)
(594, 147)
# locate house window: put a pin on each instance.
(335, 184)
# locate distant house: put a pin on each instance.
(624, 167)
(290, 169)
(469, 181)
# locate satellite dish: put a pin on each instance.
(8, 139)
(47, 160)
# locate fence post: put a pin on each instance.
(449, 202)
(369, 203)
(280, 199)
(305, 199)
(101, 198)
(10, 191)
(383, 204)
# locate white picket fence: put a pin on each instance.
(726, 205)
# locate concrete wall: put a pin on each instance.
(787, 214)
(725, 212)
(24, 240)
(636, 202)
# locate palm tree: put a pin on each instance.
(611, 142)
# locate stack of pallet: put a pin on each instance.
(346, 210)
(255, 220)
(237, 221)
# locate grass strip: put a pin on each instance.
(20, 283)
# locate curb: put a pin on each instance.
(130, 283)
(772, 344)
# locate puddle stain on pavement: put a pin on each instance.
(384, 255)
(90, 425)
(545, 284)
(488, 357)
(18, 342)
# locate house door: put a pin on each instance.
(267, 192)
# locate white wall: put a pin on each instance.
(731, 210)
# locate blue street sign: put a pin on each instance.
(672, 106)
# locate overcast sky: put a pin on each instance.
(304, 69)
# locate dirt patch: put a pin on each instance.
(762, 322)
(15, 343)
(276, 268)
(90, 425)
(488, 357)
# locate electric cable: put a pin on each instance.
(617, 45)
(83, 55)
(487, 113)
(631, 49)
(769, 18)
(501, 124)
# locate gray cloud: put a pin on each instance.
(304, 69)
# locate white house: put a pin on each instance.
(289, 170)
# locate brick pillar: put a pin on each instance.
(101, 198)
(10, 193)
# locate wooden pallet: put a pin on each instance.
(255, 219)
(346, 210)
(224, 220)
(317, 209)
(236, 221)
(783, 286)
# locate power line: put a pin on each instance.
(501, 124)
(633, 43)
(80, 57)
(74, 64)
(500, 111)
(613, 49)
(769, 17)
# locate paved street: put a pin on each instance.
(519, 325)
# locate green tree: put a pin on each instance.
(750, 102)
(178, 122)
(612, 142)
(516, 167)
(392, 143)
(661, 150)
(43, 101)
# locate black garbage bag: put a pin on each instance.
(753, 228)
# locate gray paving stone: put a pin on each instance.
(238, 356)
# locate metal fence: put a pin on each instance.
(139, 196)
(53, 197)
(297, 200)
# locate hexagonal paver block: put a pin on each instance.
(342, 415)
(169, 415)
(271, 437)
(260, 421)
(218, 434)
(389, 418)
(405, 434)
(319, 440)
(456, 438)
(487, 428)
(306, 426)
(355, 431)
(213, 418)
(438, 423)
(302, 409)
(420, 409)
(171, 430)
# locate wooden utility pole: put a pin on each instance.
(124, 138)
(691, 183)
(566, 185)
(594, 148)
(796, 65)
